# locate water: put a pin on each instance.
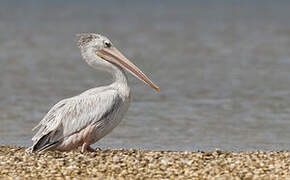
(223, 68)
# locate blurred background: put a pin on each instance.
(223, 68)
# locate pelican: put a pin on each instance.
(84, 119)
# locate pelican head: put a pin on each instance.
(99, 52)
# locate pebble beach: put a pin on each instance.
(143, 164)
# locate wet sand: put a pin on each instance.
(144, 164)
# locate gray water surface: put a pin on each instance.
(223, 69)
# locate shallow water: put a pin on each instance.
(223, 69)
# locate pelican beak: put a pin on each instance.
(114, 56)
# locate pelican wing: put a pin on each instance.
(72, 115)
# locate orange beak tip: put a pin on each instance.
(158, 89)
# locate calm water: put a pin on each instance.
(223, 69)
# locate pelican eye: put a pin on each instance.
(108, 44)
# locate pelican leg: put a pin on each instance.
(87, 148)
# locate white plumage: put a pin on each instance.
(84, 119)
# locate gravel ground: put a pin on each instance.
(143, 164)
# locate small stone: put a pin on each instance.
(116, 159)
(164, 161)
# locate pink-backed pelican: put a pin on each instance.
(84, 119)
